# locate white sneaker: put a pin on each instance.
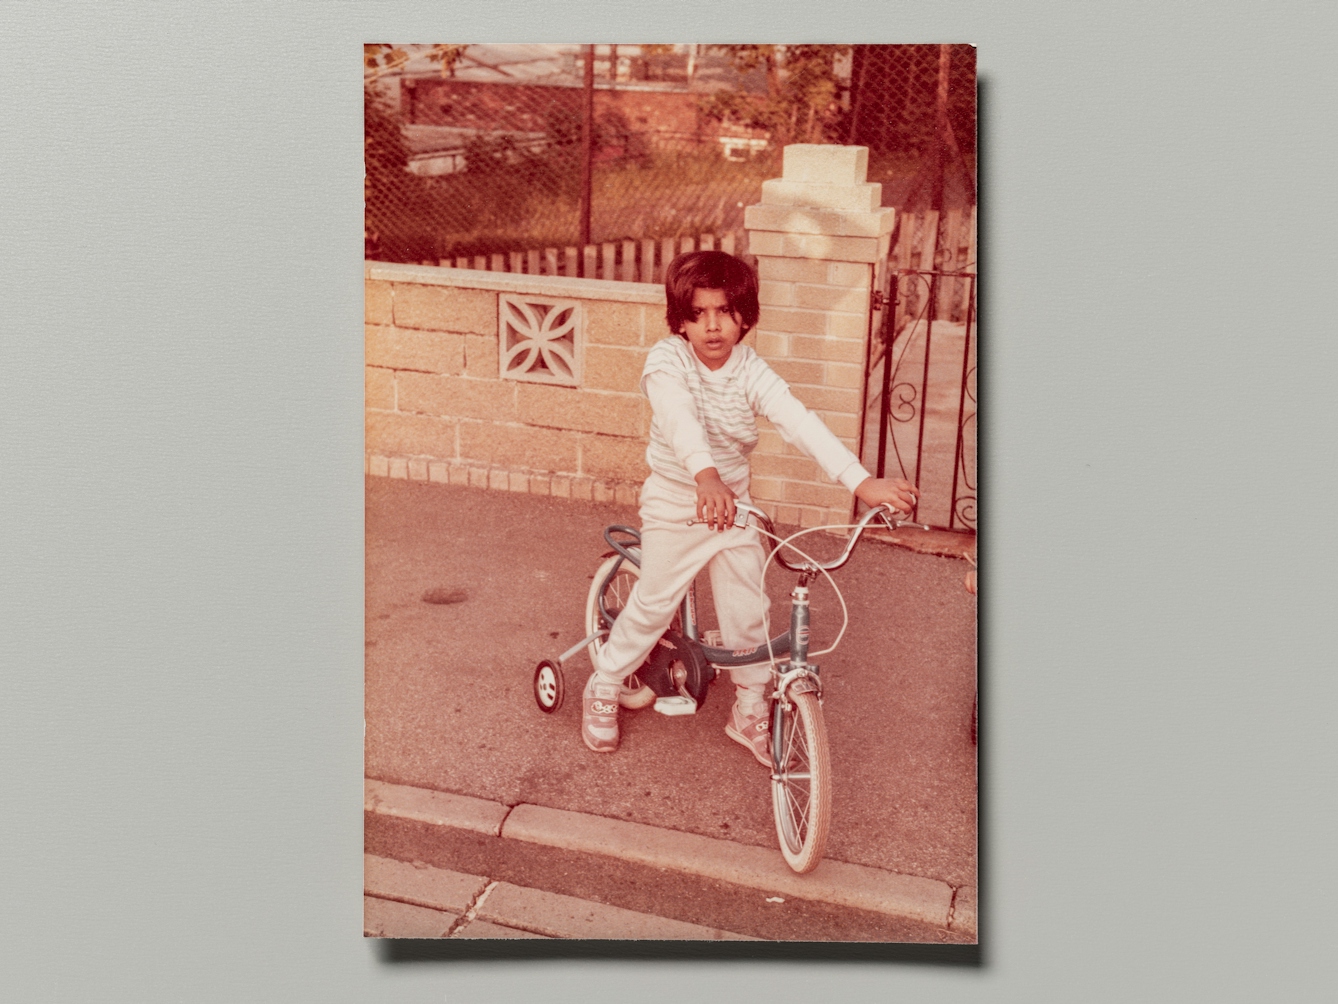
(752, 731)
(599, 715)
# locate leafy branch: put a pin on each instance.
(800, 104)
(380, 58)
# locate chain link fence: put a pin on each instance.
(914, 107)
(480, 155)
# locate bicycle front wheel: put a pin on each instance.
(801, 786)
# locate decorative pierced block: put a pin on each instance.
(540, 339)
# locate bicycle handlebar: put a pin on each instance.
(743, 510)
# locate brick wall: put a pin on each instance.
(438, 408)
(818, 235)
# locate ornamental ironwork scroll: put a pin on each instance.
(920, 418)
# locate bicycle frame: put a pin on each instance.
(793, 642)
(799, 759)
(723, 658)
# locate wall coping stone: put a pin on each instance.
(517, 282)
(864, 198)
(830, 222)
(825, 162)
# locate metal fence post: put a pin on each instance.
(587, 142)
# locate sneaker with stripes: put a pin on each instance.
(599, 715)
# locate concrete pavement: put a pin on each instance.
(414, 900)
(449, 710)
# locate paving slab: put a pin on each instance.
(644, 888)
(559, 916)
(420, 884)
(386, 918)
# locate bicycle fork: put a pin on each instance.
(797, 674)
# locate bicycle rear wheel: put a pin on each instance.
(801, 789)
(616, 588)
(614, 581)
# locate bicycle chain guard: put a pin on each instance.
(676, 667)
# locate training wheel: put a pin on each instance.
(548, 689)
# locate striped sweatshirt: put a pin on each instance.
(703, 418)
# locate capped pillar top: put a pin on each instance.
(826, 163)
(824, 176)
(821, 208)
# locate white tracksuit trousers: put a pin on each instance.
(672, 553)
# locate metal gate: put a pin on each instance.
(920, 370)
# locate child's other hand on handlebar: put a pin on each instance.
(897, 493)
(715, 502)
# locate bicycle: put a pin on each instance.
(684, 662)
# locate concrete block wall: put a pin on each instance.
(818, 234)
(437, 408)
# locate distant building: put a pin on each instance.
(536, 101)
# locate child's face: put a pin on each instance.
(713, 331)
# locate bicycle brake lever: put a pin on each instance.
(889, 516)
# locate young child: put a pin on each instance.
(705, 388)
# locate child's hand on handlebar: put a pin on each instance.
(895, 492)
(715, 502)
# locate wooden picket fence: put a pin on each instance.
(627, 260)
(919, 246)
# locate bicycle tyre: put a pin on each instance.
(617, 586)
(802, 805)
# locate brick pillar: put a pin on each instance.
(818, 235)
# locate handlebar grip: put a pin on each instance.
(742, 510)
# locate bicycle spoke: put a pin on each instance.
(797, 812)
(796, 771)
(617, 592)
(792, 727)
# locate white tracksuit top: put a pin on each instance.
(704, 418)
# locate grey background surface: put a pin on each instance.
(181, 490)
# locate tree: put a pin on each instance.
(800, 105)
(380, 58)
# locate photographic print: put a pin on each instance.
(671, 492)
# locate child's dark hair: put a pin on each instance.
(710, 270)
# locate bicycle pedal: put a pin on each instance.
(675, 706)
